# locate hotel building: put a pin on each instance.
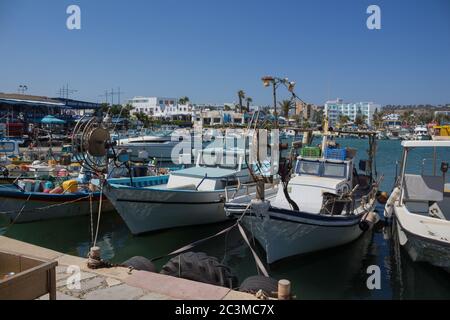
(336, 108)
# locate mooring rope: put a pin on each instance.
(99, 214)
(259, 264)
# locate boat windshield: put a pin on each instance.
(308, 167)
(334, 170)
(322, 169)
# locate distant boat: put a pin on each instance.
(148, 147)
(420, 207)
(421, 133)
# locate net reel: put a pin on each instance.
(90, 143)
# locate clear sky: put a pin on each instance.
(209, 49)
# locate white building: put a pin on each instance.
(336, 108)
(160, 107)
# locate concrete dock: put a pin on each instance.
(117, 283)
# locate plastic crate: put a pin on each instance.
(336, 153)
(310, 152)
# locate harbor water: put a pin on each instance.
(338, 273)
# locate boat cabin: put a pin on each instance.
(424, 180)
(215, 169)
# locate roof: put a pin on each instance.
(424, 144)
(15, 98)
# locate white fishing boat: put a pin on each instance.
(420, 205)
(9, 148)
(148, 147)
(421, 133)
(324, 204)
(185, 197)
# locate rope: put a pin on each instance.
(259, 264)
(18, 215)
(92, 218)
(99, 214)
(46, 207)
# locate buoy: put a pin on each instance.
(369, 221)
(382, 197)
(389, 207)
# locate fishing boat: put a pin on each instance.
(420, 204)
(149, 146)
(190, 196)
(325, 203)
(20, 205)
(421, 133)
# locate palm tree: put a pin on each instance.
(377, 119)
(285, 106)
(343, 119)
(241, 96)
(248, 100)
(360, 120)
(183, 100)
(407, 117)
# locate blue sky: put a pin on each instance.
(209, 49)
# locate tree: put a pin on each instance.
(360, 120)
(285, 106)
(407, 117)
(343, 120)
(183, 100)
(377, 119)
(241, 96)
(248, 100)
(142, 117)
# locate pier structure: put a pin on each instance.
(117, 283)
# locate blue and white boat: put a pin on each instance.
(191, 196)
(20, 206)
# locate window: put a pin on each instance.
(308, 167)
(334, 170)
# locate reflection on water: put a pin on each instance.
(331, 274)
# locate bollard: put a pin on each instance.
(95, 253)
(284, 290)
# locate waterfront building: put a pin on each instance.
(207, 117)
(18, 111)
(333, 109)
(160, 107)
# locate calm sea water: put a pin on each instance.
(338, 273)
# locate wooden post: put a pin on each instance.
(284, 290)
(52, 284)
(260, 189)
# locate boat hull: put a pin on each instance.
(145, 210)
(284, 233)
(21, 207)
(422, 249)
